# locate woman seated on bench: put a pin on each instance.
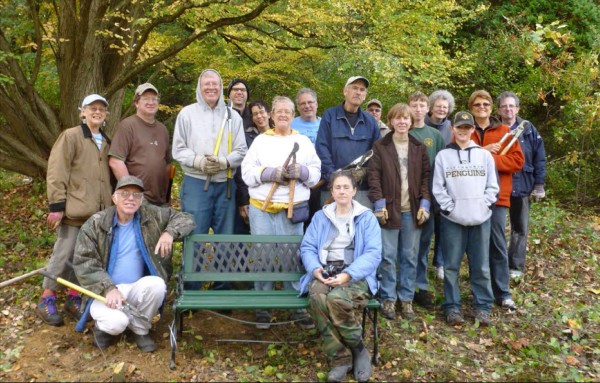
(341, 251)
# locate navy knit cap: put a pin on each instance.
(237, 81)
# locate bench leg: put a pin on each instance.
(375, 359)
(173, 332)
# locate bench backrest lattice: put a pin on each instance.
(242, 258)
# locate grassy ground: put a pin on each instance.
(554, 336)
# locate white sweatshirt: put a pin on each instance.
(465, 184)
(271, 150)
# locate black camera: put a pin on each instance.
(330, 270)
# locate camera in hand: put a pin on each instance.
(330, 270)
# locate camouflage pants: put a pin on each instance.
(334, 312)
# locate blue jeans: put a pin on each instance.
(422, 283)
(475, 241)
(499, 255)
(438, 257)
(401, 247)
(210, 208)
(263, 223)
(519, 228)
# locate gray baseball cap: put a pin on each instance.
(357, 78)
(130, 180)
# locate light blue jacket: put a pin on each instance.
(367, 245)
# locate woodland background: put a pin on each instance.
(53, 53)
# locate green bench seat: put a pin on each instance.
(243, 258)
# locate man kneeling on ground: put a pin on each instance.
(124, 254)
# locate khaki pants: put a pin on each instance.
(147, 295)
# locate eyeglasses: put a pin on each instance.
(94, 109)
(239, 90)
(482, 104)
(150, 99)
(441, 107)
(286, 112)
(508, 107)
(126, 194)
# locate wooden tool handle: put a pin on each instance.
(269, 196)
(291, 201)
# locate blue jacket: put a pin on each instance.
(336, 145)
(367, 246)
(534, 169)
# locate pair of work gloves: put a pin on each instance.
(210, 164)
(538, 193)
(283, 175)
(381, 212)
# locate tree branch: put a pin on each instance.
(122, 78)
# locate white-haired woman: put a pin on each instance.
(78, 185)
(262, 167)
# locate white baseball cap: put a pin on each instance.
(93, 98)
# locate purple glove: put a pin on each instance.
(270, 174)
(297, 172)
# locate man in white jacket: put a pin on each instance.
(466, 187)
(209, 144)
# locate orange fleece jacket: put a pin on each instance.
(506, 164)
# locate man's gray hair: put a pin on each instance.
(442, 94)
(305, 90)
(508, 94)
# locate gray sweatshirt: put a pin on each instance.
(196, 132)
(465, 184)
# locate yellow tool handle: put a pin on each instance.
(87, 292)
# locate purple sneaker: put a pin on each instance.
(48, 312)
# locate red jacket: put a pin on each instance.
(506, 164)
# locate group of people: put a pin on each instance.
(254, 168)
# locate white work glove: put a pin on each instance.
(538, 192)
(215, 164)
(201, 163)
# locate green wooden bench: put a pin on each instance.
(244, 258)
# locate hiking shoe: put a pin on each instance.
(515, 274)
(302, 319)
(102, 339)
(48, 312)
(337, 374)
(483, 317)
(424, 299)
(388, 309)
(439, 272)
(455, 318)
(508, 304)
(263, 321)
(144, 342)
(407, 310)
(72, 306)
